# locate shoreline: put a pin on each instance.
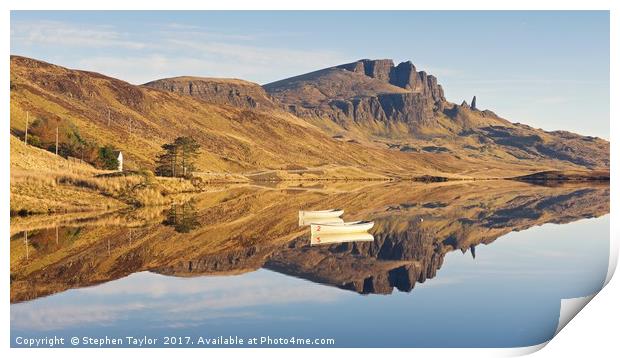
(534, 179)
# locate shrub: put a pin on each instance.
(107, 158)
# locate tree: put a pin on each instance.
(178, 158)
(167, 161)
(107, 157)
(188, 150)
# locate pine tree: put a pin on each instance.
(166, 161)
(178, 158)
(188, 150)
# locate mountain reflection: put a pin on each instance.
(394, 259)
(243, 229)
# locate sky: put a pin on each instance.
(547, 69)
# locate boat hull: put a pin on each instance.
(307, 217)
(309, 221)
(326, 239)
(346, 228)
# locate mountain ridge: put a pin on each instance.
(238, 137)
(221, 91)
(418, 109)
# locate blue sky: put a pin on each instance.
(546, 69)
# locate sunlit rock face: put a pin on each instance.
(372, 99)
(365, 91)
(232, 92)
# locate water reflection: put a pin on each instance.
(307, 222)
(182, 217)
(328, 239)
(307, 217)
(244, 229)
(326, 227)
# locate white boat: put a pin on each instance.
(344, 228)
(338, 238)
(322, 213)
(319, 214)
(308, 221)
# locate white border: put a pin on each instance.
(594, 330)
(313, 5)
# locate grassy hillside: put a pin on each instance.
(233, 140)
(36, 177)
(42, 182)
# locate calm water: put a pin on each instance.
(451, 265)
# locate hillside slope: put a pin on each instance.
(92, 108)
(45, 183)
(35, 187)
(141, 119)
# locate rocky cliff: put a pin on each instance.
(404, 76)
(367, 91)
(374, 101)
(232, 92)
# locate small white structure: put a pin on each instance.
(119, 157)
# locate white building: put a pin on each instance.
(119, 157)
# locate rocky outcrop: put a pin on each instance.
(219, 91)
(374, 90)
(473, 103)
(379, 69)
(404, 76)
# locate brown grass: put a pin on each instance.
(42, 182)
(43, 192)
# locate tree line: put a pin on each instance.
(42, 133)
(177, 159)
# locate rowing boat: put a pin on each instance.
(338, 238)
(322, 213)
(344, 228)
(318, 214)
(308, 221)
